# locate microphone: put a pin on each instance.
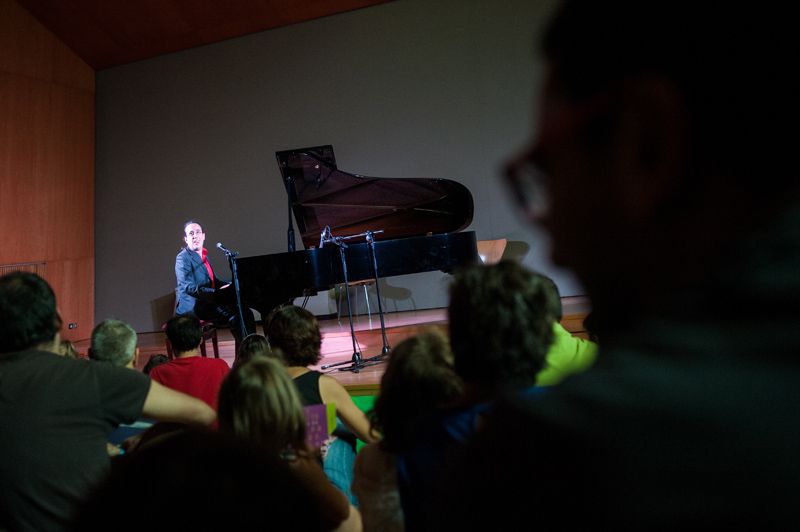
(325, 236)
(226, 250)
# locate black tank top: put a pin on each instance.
(308, 386)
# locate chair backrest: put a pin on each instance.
(491, 251)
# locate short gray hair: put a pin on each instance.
(113, 341)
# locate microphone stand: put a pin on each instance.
(235, 274)
(339, 241)
(290, 196)
(357, 361)
(371, 243)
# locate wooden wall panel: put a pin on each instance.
(47, 162)
(69, 154)
(73, 283)
(25, 203)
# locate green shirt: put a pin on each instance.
(567, 355)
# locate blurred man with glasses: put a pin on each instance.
(664, 169)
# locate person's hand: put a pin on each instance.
(323, 451)
(113, 450)
(129, 444)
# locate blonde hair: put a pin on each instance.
(67, 349)
(259, 402)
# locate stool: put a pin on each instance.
(209, 333)
(342, 287)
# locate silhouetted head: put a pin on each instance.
(418, 379)
(501, 325)
(28, 316)
(184, 332)
(154, 361)
(662, 144)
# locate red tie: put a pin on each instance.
(208, 267)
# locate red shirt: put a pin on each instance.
(197, 376)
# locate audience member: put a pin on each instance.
(259, 403)
(418, 378)
(666, 156)
(114, 341)
(154, 361)
(567, 354)
(56, 413)
(294, 333)
(253, 345)
(501, 327)
(194, 480)
(189, 372)
(67, 349)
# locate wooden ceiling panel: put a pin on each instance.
(107, 33)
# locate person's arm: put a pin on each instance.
(352, 523)
(328, 499)
(165, 404)
(352, 416)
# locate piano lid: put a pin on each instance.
(321, 195)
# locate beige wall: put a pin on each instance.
(47, 162)
(416, 88)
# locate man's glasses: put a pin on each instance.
(527, 183)
(562, 119)
(192, 233)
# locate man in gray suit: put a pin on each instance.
(197, 285)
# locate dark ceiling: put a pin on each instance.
(107, 33)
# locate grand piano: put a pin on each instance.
(421, 220)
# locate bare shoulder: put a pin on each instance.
(330, 385)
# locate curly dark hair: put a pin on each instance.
(28, 314)
(294, 331)
(501, 324)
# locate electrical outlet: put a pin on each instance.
(72, 326)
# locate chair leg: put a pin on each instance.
(339, 305)
(215, 343)
(366, 298)
(203, 346)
